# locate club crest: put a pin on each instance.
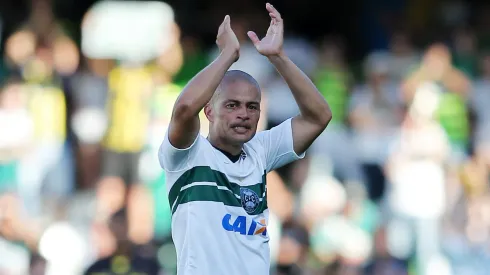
(250, 200)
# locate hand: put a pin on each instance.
(226, 40)
(271, 44)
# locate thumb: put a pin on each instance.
(253, 36)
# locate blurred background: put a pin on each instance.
(398, 183)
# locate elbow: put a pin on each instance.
(321, 117)
(326, 115)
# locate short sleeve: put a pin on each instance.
(278, 145)
(173, 159)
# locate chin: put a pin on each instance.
(243, 138)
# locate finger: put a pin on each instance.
(273, 10)
(223, 24)
(228, 22)
(220, 29)
(274, 21)
(253, 36)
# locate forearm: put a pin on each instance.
(201, 88)
(311, 103)
(184, 125)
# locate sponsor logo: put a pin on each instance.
(244, 225)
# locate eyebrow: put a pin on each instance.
(238, 101)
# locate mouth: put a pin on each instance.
(241, 129)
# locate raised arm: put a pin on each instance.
(315, 114)
(184, 125)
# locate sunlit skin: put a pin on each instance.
(234, 112)
(231, 102)
(231, 99)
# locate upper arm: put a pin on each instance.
(304, 132)
(278, 145)
(183, 129)
(172, 158)
(184, 125)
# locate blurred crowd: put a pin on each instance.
(397, 184)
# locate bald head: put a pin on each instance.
(237, 75)
(235, 78)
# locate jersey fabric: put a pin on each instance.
(129, 107)
(47, 105)
(124, 264)
(219, 207)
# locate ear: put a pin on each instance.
(208, 111)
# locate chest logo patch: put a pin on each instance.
(250, 200)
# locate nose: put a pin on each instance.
(242, 113)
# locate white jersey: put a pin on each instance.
(219, 208)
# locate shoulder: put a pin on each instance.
(257, 142)
(263, 140)
(260, 138)
(174, 159)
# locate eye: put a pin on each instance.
(231, 105)
(253, 107)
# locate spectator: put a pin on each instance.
(465, 51)
(479, 98)
(403, 56)
(454, 86)
(375, 113)
(416, 173)
(125, 258)
(334, 82)
(16, 138)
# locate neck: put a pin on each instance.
(218, 143)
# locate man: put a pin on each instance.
(217, 188)
(126, 258)
(436, 71)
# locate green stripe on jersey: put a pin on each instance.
(206, 193)
(201, 183)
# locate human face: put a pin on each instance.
(437, 61)
(235, 113)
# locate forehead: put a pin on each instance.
(242, 91)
